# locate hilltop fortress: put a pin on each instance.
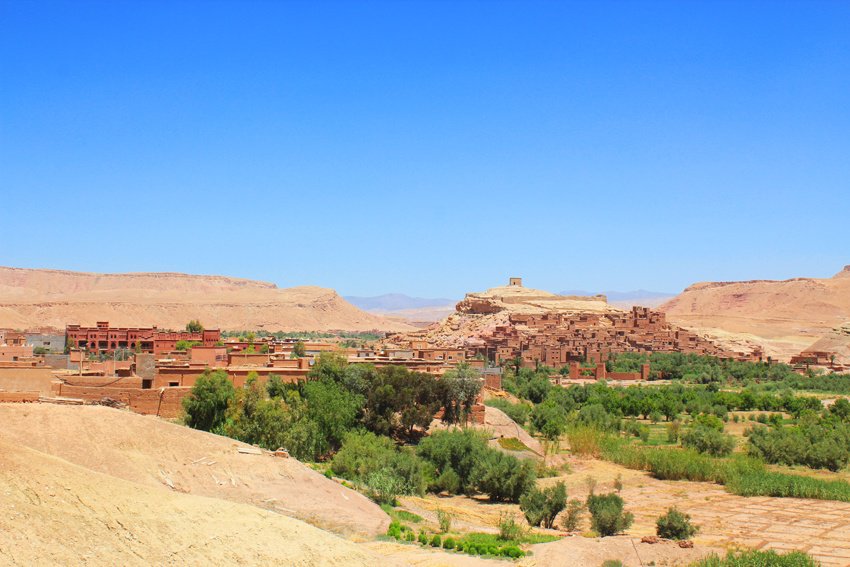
(537, 327)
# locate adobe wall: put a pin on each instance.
(18, 397)
(165, 402)
(38, 378)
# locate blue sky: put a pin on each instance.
(428, 148)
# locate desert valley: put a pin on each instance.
(287, 423)
(454, 283)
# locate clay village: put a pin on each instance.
(525, 426)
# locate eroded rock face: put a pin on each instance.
(478, 306)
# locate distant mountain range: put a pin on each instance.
(396, 302)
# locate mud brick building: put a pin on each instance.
(557, 339)
(103, 338)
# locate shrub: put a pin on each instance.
(675, 525)
(573, 517)
(542, 506)
(509, 528)
(436, 541)
(448, 543)
(708, 440)
(445, 520)
(423, 539)
(409, 536)
(504, 478)
(607, 514)
(459, 451)
(612, 563)
(511, 551)
(816, 445)
(673, 431)
(585, 441)
(376, 462)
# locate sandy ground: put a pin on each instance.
(155, 453)
(53, 512)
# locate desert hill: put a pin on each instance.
(154, 453)
(98, 486)
(784, 317)
(31, 298)
(479, 313)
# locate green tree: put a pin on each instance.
(334, 410)
(194, 326)
(299, 350)
(503, 478)
(205, 407)
(461, 387)
(607, 515)
(549, 419)
(541, 507)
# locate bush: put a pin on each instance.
(504, 478)
(458, 451)
(709, 441)
(423, 539)
(375, 462)
(573, 517)
(585, 441)
(511, 551)
(816, 445)
(612, 563)
(509, 528)
(394, 530)
(673, 432)
(445, 520)
(448, 543)
(542, 506)
(675, 525)
(436, 541)
(607, 515)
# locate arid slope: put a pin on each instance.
(784, 317)
(152, 452)
(57, 513)
(53, 298)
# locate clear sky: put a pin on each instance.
(428, 148)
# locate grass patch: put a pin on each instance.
(401, 515)
(512, 444)
(757, 559)
(740, 475)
